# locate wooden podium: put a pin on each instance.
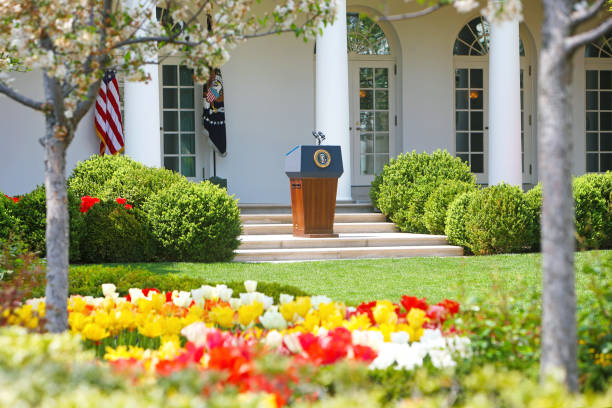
(313, 173)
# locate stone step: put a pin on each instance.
(341, 207)
(339, 228)
(307, 254)
(286, 218)
(386, 239)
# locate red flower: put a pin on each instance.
(364, 353)
(128, 207)
(437, 314)
(450, 305)
(15, 199)
(410, 302)
(87, 202)
(146, 291)
(367, 308)
(120, 200)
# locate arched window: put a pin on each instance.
(598, 104)
(365, 37)
(601, 48)
(474, 37)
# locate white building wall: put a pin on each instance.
(21, 155)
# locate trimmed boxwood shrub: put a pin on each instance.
(437, 204)
(592, 196)
(90, 176)
(408, 181)
(194, 222)
(498, 220)
(87, 280)
(31, 214)
(534, 200)
(113, 233)
(455, 220)
(8, 221)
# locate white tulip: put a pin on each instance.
(250, 286)
(273, 320)
(108, 290)
(285, 298)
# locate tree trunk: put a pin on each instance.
(57, 230)
(559, 341)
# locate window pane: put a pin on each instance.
(382, 121)
(477, 164)
(366, 143)
(522, 100)
(170, 143)
(591, 80)
(365, 78)
(605, 120)
(591, 142)
(188, 144)
(382, 77)
(606, 142)
(382, 99)
(606, 162)
(460, 48)
(461, 78)
(463, 144)
(381, 160)
(367, 164)
(591, 121)
(169, 75)
(187, 98)
(187, 121)
(591, 162)
(605, 99)
(476, 120)
(382, 143)
(170, 98)
(464, 157)
(605, 79)
(188, 166)
(366, 99)
(461, 121)
(186, 76)
(461, 99)
(366, 120)
(476, 78)
(171, 163)
(477, 142)
(591, 100)
(476, 99)
(170, 121)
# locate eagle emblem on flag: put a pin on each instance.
(213, 117)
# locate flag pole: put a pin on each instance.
(214, 163)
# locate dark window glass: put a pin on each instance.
(170, 121)
(169, 75)
(476, 120)
(462, 121)
(476, 78)
(591, 162)
(170, 143)
(606, 162)
(606, 142)
(605, 120)
(477, 163)
(464, 157)
(188, 166)
(477, 142)
(591, 121)
(592, 145)
(171, 163)
(186, 76)
(461, 99)
(463, 144)
(605, 100)
(476, 99)
(170, 98)
(591, 100)
(605, 79)
(461, 78)
(591, 79)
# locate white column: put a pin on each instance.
(505, 104)
(332, 94)
(142, 122)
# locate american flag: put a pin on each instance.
(108, 123)
(211, 95)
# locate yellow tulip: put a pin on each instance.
(223, 316)
(151, 327)
(94, 332)
(384, 313)
(247, 314)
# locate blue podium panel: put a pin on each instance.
(310, 161)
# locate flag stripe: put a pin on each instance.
(108, 123)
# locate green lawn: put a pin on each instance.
(359, 280)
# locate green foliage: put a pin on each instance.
(195, 222)
(375, 190)
(31, 213)
(8, 221)
(90, 176)
(498, 220)
(456, 216)
(436, 206)
(113, 233)
(534, 200)
(408, 181)
(87, 280)
(593, 199)
(137, 183)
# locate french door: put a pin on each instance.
(372, 118)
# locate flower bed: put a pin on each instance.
(158, 334)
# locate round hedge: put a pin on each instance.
(534, 200)
(8, 221)
(455, 220)
(408, 180)
(31, 214)
(194, 222)
(593, 199)
(437, 204)
(90, 176)
(498, 220)
(113, 233)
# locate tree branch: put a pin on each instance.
(83, 106)
(24, 100)
(580, 16)
(414, 14)
(577, 40)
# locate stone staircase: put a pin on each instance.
(267, 236)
